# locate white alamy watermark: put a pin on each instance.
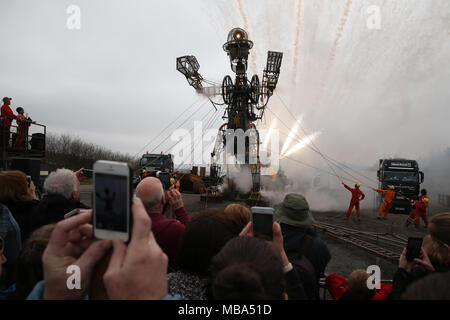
(373, 22)
(374, 280)
(73, 21)
(230, 147)
(74, 280)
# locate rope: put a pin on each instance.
(328, 159)
(306, 134)
(299, 139)
(327, 171)
(179, 116)
(190, 131)
(164, 140)
(211, 120)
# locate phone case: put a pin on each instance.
(413, 248)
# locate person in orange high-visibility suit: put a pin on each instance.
(22, 128)
(420, 211)
(389, 195)
(354, 202)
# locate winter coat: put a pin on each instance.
(52, 209)
(318, 253)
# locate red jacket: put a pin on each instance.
(7, 115)
(337, 285)
(356, 193)
(420, 206)
(168, 232)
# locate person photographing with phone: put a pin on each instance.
(414, 262)
(252, 267)
(62, 195)
(167, 231)
(136, 271)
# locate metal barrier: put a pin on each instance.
(25, 139)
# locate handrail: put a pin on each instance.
(15, 138)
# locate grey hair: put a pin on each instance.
(62, 182)
(153, 201)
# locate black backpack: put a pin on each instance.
(304, 268)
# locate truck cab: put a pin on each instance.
(151, 163)
(405, 176)
(156, 162)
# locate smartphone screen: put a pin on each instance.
(111, 199)
(262, 222)
(165, 180)
(413, 248)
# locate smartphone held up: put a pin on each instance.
(262, 222)
(413, 248)
(112, 200)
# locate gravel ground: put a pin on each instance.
(346, 258)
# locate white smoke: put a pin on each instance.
(372, 94)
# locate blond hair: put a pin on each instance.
(357, 285)
(236, 215)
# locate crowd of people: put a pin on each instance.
(210, 255)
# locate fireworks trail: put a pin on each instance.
(247, 28)
(298, 30)
(269, 134)
(338, 36)
(267, 17)
(301, 144)
(291, 135)
(340, 29)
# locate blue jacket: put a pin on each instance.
(8, 294)
(10, 232)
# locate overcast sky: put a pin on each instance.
(370, 92)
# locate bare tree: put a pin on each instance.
(63, 150)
